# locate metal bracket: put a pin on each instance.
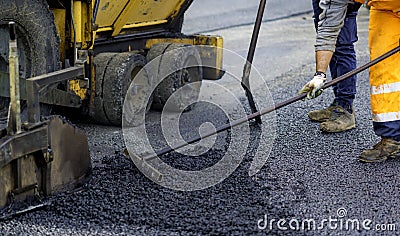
(17, 146)
(33, 85)
(25, 189)
(14, 114)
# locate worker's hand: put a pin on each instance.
(313, 87)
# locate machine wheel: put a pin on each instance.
(37, 38)
(101, 62)
(114, 75)
(173, 58)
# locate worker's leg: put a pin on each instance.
(343, 61)
(385, 76)
(384, 35)
(344, 58)
(323, 114)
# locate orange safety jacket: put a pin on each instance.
(388, 5)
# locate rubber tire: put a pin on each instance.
(37, 37)
(36, 31)
(114, 74)
(172, 57)
(101, 62)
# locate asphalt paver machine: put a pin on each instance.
(78, 58)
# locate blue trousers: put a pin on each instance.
(344, 57)
(389, 129)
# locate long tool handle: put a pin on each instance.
(250, 57)
(271, 109)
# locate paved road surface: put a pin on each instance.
(206, 15)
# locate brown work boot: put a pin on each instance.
(322, 115)
(381, 151)
(341, 120)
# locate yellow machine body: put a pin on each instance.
(116, 16)
(112, 19)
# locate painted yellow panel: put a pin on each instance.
(150, 12)
(211, 55)
(74, 85)
(59, 19)
(78, 20)
(108, 12)
(151, 42)
(82, 15)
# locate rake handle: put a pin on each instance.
(271, 109)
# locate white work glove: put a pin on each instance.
(313, 87)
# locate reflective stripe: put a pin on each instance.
(385, 103)
(385, 88)
(386, 117)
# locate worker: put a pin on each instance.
(339, 116)
(384, 34)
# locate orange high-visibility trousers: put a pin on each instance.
(384, 35)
